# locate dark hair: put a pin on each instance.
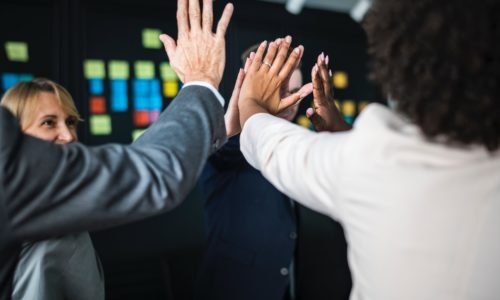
(441, 61)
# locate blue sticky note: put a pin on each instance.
(141, 88)
(9, 80)
(119, 102)
(155, 87)
(96, 86)
(119, 86)
(156, 102)
(25, 77)
(141, 103)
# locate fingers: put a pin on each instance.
(292, 60)
(315, 119)
(182, 17)
(239, 80)
(257, 59)
(208, 15)
(224, 20)
(169, 44)
(318, 89)
(282, 54)
(194, 14)
(325, 78)
(295, 98)
(248, 62)
(269, 59)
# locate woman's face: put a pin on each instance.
(51, 122)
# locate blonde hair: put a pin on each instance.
(21, 99)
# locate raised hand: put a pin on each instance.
(232, 116)
(199, 54)
(324, 114)
(266, 77)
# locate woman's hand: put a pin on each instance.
(324, 114)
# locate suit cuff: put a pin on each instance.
(209, 86)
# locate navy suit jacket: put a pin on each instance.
(251, 232)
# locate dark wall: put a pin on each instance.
(158, 258)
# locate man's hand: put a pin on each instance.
(199, 54)
(265, 79)
(324, 114)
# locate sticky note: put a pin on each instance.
(119, 102)
(348, 108)
(141, 118)
(167, 73)
(170, 88)
(155, 87)
(97, 105)
(137, 133)
(340, 80)
(151, 38)
(144, 69)
(304, 121)
(362, 105)
(25, 77)
(141, 88)
(17, 51)
(100, 125)
(94, 68)
(153, 115)
(156, 102)
(118, 69)
(349, 119)
(118, 86)
(141, 103)
(9, 80)
(96, 86)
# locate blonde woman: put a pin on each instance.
(66, 267)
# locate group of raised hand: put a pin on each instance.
(261, 85)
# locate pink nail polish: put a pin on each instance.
(330, 73)
(327, 59)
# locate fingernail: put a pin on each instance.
(327, 59)
(316, 68)
(297, 50)
(264, 43)
(252, 55)
(288, 39)
(278, 42)
(330, 73)
(322, 56)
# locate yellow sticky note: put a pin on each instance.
(144, 69)
(118, 69)
(94, 69)
(166, 72)
(304, 121)
(340, 80)
(348, 108)
(170, 88)
(362, 105)
(100, 125)
(137, 133)
(17, 51)
(151, 38)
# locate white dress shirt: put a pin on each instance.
(422, 219)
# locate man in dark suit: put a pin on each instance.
(47, 190)
(251, 226)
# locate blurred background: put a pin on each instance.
(108, 55)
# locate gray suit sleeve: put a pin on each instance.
(48, 190)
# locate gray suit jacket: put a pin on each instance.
(47, 190)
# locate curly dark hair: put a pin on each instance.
(441, 61)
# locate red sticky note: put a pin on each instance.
(97, 105)
(141, 118)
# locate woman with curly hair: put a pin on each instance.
(417, 189)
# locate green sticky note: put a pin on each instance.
(151, 38)
(166, 72)
(137, 133)
(100, 125)
(94, 69)
(17, 51)
(144, 69)
(118, 69)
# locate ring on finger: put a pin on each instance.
(265, 62)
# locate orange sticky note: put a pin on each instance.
(97, 105)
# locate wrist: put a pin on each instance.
(202, 77)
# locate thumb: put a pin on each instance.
(315, 119)
(169, 44)
(296, 97)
